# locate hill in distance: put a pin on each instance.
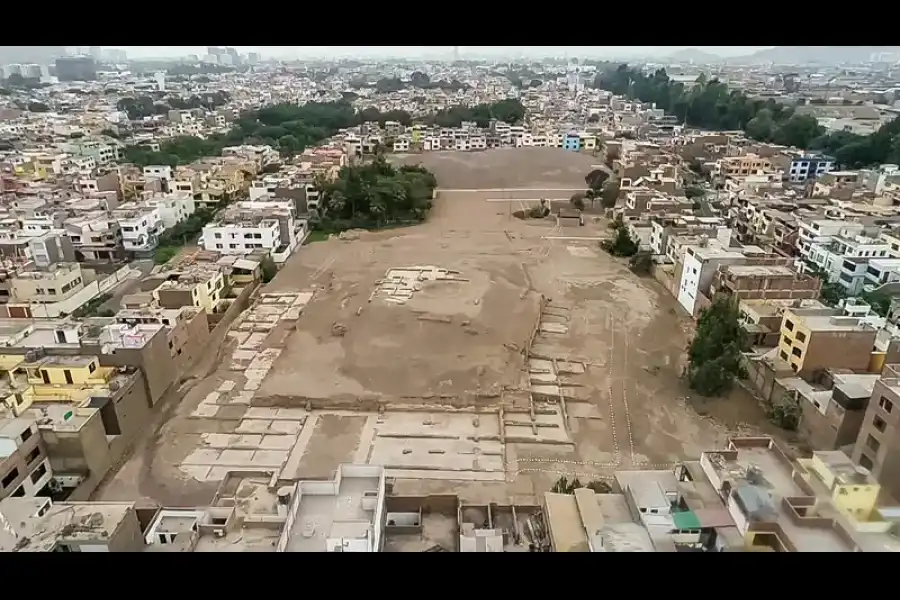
(693, 55)
(826, 55)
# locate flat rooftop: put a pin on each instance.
(761, 480)
(325, 514)
(61, 523)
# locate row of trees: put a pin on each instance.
(711, 105)
(509, 111)
(147, 106)
(418, 79)
(289, 127)
(376, 195)
(292, 128)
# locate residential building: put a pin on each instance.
(878, 445)
(55, 283)
(819, 504)
(200, 286)
(759, 279)
(24, 468)
(742, 166)
(813, 340)
(41, 525)
(804, 168)
(846, 258)
(140, 225)
(345, 514)
(699, 268)
(173, 208)
(95, 236)
(572, 142)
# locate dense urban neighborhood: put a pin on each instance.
(455, 305)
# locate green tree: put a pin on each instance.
(577, 201)
(622, 245)
(710, 104)
(716, 350)
(38, 107)
(269, 269)
(609, 195)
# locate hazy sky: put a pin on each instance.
(442, 51)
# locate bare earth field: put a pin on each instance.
(514, 352)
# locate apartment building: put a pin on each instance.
(846, 259)
(699, 267)
(248, 226)
(199, 286)
(160, 172)
(355, 503)
(140, 225)
(814, 339)
(760, 279)
(173, 208)
(878, 445)
(804, 168)
(95, 236)
(820, 504)
(25, 470)
(742, 166)
(822, 231)
(41, 525)
(54, 283)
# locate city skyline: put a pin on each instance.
(439, 51)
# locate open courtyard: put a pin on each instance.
(477, 354)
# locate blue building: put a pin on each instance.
(572, 142)
(810, 167)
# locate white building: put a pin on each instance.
(846, 258)
(700, 265)
(140, 226)
(346, 514)
(164, 172)
(242, 237)
(172, 208)
(821, 231)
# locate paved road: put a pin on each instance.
(129, 286)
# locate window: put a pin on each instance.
(872, 443)
(92, 367)
(879, 424)
(34, 454)
(866, 462)
(784, 355)
(886, 405)
(789, 325)
(801, 337)
(38, 473)
(10, 477)
(26, 434)
(797, 352)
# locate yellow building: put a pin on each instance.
(814, 339)
(50, 379)
(200, 287)
(853, 490)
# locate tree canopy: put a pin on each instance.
(288, 127)
(711, 105)
(715, 351)
(509, 111)
(147, 106)
(376, 195)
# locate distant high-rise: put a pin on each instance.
(76, 68)
(39, 55)
(455, 53)
(96, 52)
(253, 58)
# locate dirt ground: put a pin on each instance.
(461, 344)
(506, 168)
